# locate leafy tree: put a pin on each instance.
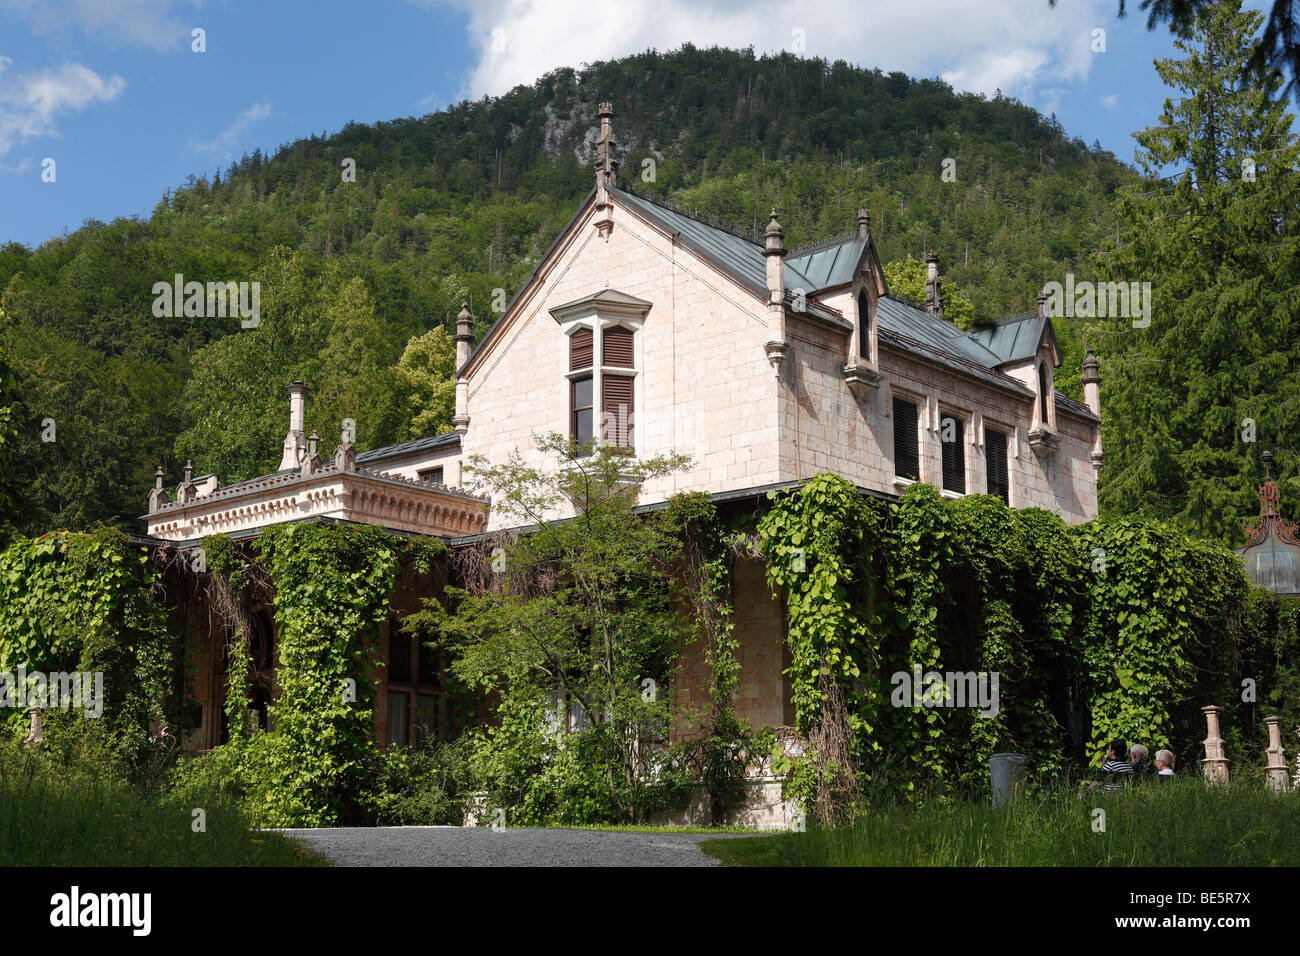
(426, 377)
(906, 278)
(8, 432)
(1211, 382)
(573, 618)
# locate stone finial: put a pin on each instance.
(1277, 768)
(311, 463)
(933, 293)
(345, 456)
(1215, 764)
(158, 496)
(185, 491)
(464, 323)
(864, 223)
(35, 737)
(774, 237)
(1090, 367)
(1042, 303)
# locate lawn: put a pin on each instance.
(75, 819)
(1182, 823)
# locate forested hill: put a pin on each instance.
(464, 202)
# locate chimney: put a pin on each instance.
(464, 346)
(864, 224)
(933, 295)
(606, 147)
(295, 443)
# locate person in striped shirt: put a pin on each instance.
(1119, 770)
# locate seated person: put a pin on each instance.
(1118, 771)
(1137, 756)
(1164, 765)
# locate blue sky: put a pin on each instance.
(112, 91)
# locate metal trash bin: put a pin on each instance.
(1005, 772)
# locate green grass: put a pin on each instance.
(1183, 823)
(51, 818)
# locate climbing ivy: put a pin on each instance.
(332, 590)
(88, 602)
(817, 544)
(1118, 628)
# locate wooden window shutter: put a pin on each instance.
(995, 448)
(616, 343)
(580, 350)
(906, 457)
(616, 407)
(954, 454)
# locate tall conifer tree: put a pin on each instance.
(1192, 399)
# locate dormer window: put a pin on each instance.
(604, 352)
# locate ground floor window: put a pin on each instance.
(399, 712)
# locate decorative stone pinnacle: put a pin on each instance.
(189, 470)
(158, 478)
(464, 323)
(774, 237)
(864, 223)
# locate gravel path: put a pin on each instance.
(483, 846)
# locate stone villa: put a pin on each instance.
(646, 327)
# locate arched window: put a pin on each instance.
(864, 325)
(1042, 393)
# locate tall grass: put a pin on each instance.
(1180, 823)
(52, 815)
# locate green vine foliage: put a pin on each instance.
(332, 589)
(1117, 628)
(818, 545)
(88, 602)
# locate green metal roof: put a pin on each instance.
(829, 263)
(1012, 340)
(738, 257)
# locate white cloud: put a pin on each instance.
(972, 44)
(29, 102)
(154, 24)
(1110, 102)
(228, 138)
